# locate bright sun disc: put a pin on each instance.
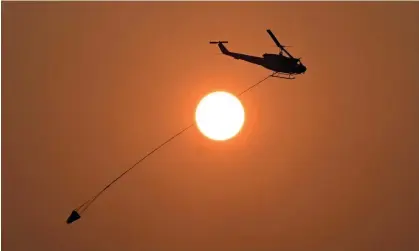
(219, 115)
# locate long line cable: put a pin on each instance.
(83, 207)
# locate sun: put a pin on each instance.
(219, 116)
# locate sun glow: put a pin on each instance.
(220, 116)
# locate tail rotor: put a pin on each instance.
(218, 42)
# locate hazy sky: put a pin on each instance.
(328, 161)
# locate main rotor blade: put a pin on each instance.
(274, 38)
(278, 44)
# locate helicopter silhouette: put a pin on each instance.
(283, 66)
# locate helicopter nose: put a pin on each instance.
(303, 68)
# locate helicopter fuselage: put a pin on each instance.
(280, 63)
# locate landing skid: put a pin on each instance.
(279, 75)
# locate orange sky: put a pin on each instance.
(328, 161)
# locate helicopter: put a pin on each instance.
(284, 66)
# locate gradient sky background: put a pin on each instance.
(325, 162)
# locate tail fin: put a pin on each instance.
(223, 49)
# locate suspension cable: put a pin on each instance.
(83, 207)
